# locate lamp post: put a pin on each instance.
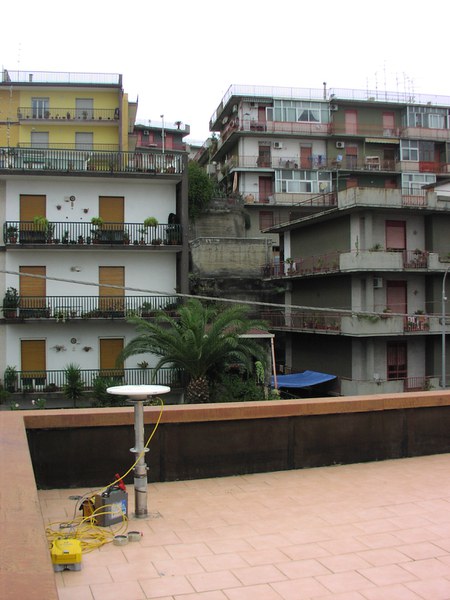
(444, 298)
(138, 394)
(162, 133)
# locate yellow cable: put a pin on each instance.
(85, 529)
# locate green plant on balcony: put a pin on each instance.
(10, 379)
(74, 386)
(376, 248)
(11, 301)
(97, 222)
(11, 234)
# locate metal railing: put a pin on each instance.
(309, 265)
(69, 308)
(82, 234)
(59, 77)
(54, 380)
(304, 320)
(415, 259)
(67, 114)
(72, 161)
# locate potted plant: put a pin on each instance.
(151, 222)
(10, 379)
(96, 232)
(11, 301)
(11, 234)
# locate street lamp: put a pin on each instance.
(162, 132)
(444, 298)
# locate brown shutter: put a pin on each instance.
(111, 299)
(33, 358)
(111, 210)
(110, 350)
(32, 289)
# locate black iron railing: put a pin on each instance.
(79, 234)
(66, 308)
(54, 381)
(59, 114)
(73, 161)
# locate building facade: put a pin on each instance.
(353, 183)
(93, 230)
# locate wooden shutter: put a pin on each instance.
(111, 299)
(111, 210)
(32, 290)
(33, 359)
(31, 206)
(110, 350)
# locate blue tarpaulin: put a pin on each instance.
(301, 380)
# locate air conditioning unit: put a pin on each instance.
(340, 144)
(277, 145)
(254, 104)
(333, 107)
(377, 283)
(145, 132)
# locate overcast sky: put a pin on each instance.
(181, 56)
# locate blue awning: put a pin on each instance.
(301, 380)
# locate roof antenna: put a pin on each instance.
(324, 90)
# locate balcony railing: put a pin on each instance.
(54, 381)
(309, 265)
(68, 146)
(85, 234)
(350, 323)
(415, 259)
(61, 114)
(305, 321)
(70, 308)
(73, 161)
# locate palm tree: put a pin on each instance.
(202, 341)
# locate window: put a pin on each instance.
(396, 360)
(302, 181)
(301, 111)
(84, 108)
(413, 182)
(40, 108)
(39, 139)
(265, 219)
(426, 117)
(409, 150)
(84, 140)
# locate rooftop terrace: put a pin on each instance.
(60, 78)
(360, 531)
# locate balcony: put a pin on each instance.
(61, 115)
(83, 308)
(17, 234)
(326, 200)
(56, 161)
(356, 324)
(375, 259)
(60, 78)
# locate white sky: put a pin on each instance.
(180, 56)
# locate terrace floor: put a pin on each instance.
(372, 531)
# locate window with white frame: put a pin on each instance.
(40, 108)
(409, 150)
(428, 117)
(300, 181)
(413, 182)
(302, 111)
